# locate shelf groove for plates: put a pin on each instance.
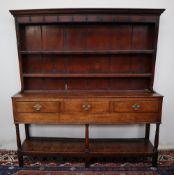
(88, 52)
(87, 75)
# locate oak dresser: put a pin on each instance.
(87, 67)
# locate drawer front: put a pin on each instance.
(37, 107)
(80, 118)
(136, 106)
(82, 106)
(37, 118)
(109, 118)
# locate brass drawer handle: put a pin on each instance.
(86, 107)
(136, 106)
(37, 107)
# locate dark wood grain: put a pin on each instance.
(27, 131)
(19, 146)
(87, 52)
(86, 11)
(97, 147)
(89, 75)
(147, 131)
(155, 148)
(87, 138)
(121, 147)
(87, 66)
(55, 95)
(56, 48)
(51, 146)
(87, 117)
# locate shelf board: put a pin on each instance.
(87, 75)
(88, 52)
(70, 146)
(53, 146)
(121, 147)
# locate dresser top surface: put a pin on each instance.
(85, 94)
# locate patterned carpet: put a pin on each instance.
(25, 172)
(139, 166)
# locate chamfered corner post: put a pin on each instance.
(155, 149)
(147, 132)
(87, 145)
(27, 131)
(19, 152)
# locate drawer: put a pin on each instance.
(37, 106)
(109, 118)
(83, 118)
(71, 106)
(136, 106)
(37, 118)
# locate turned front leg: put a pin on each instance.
(87, 145)
(19, 152)
(155, 149)
(147, 131)
(27, 131)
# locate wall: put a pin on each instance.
(9, 73)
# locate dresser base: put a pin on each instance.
(77, 147)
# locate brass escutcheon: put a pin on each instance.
(37, 107)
